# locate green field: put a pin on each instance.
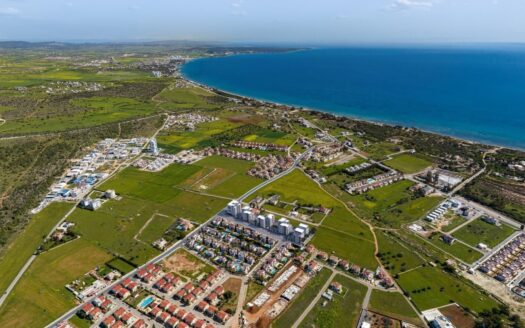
(301, 302)
(25, 244)
(356, 250)
(395, 256)
(408, 163)
(40, 296)
(270, 136)
(442, 289)
(457, 249)
(479, 231)
(342, 311)
(155, 228)
(394, 204)
(393, 305)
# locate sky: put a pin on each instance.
(265, 21)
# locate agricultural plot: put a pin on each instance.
(155, 227)
(98, 111)
(187, 98)
(175, 141)
(395, 256)
(430, 287)
(408, 163)
(393, 305)
(394, 204)
(457, 249)
(270, 136)
(20, 249)
(342, 311)
(301, 302)
(356, 250)
(40, 296)
(479, 231)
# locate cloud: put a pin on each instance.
(410, 4)
(237, 9)
(9, 11)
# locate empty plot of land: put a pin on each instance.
(393, 305)
(187, 264)
(342, 311)
(479, 231)
(408, 163)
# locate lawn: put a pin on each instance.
(479, 231)
(356, 250)
(408, 163)
(430, 287)
(253, 290)
(25, 244)
(342, 220)
(393, 305)
(454, 221)
(342, 311)
(40, 295)
(457, 249)
(301, 302)
(396, 257)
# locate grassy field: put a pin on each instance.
(154, 186)
(395, 257)
(479, 231)
(430, 287)
(457, 249)
(355, 250)
(380, 150)
(454, 221)
(40, 295)
(25, 244)
(342, 220)
(253, 290)
(342, 311)
(301, 302)
(270, 136)
(98, 111)
(155, 228)
(393, 305)
(393, 205)
(408, 163)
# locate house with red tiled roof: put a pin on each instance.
(188, 298)
(210, 326)
(190, 319)
(167, 288)
(202, 306)
(163, 317)
(108, 322)
(199, 324)
(212, 298)
(118, 324)
(164, 304)
(210, 311)
(172, 309)
(181, 313)
(128, 318)
(139, 324)
(222, 316)
(219, 290)
(96, 314)
(86, 309)
(155, 312)
(119, 313)
(99, 300)
(141, 273)
(182, 325)
(172, 322)
(188, 287)
(204, 285)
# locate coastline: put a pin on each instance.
(350, 117)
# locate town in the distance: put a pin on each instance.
(143, 199)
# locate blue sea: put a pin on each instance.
(476, 93)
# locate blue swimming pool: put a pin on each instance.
(145, 302)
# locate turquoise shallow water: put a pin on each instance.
(474, 93)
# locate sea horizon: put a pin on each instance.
(252, 76)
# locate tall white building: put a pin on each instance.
(152, 146)
(234, 208)
(270, 219)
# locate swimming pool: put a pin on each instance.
(145, 302)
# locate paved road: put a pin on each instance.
(315, 300)
(174, 247)
(28, 263)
